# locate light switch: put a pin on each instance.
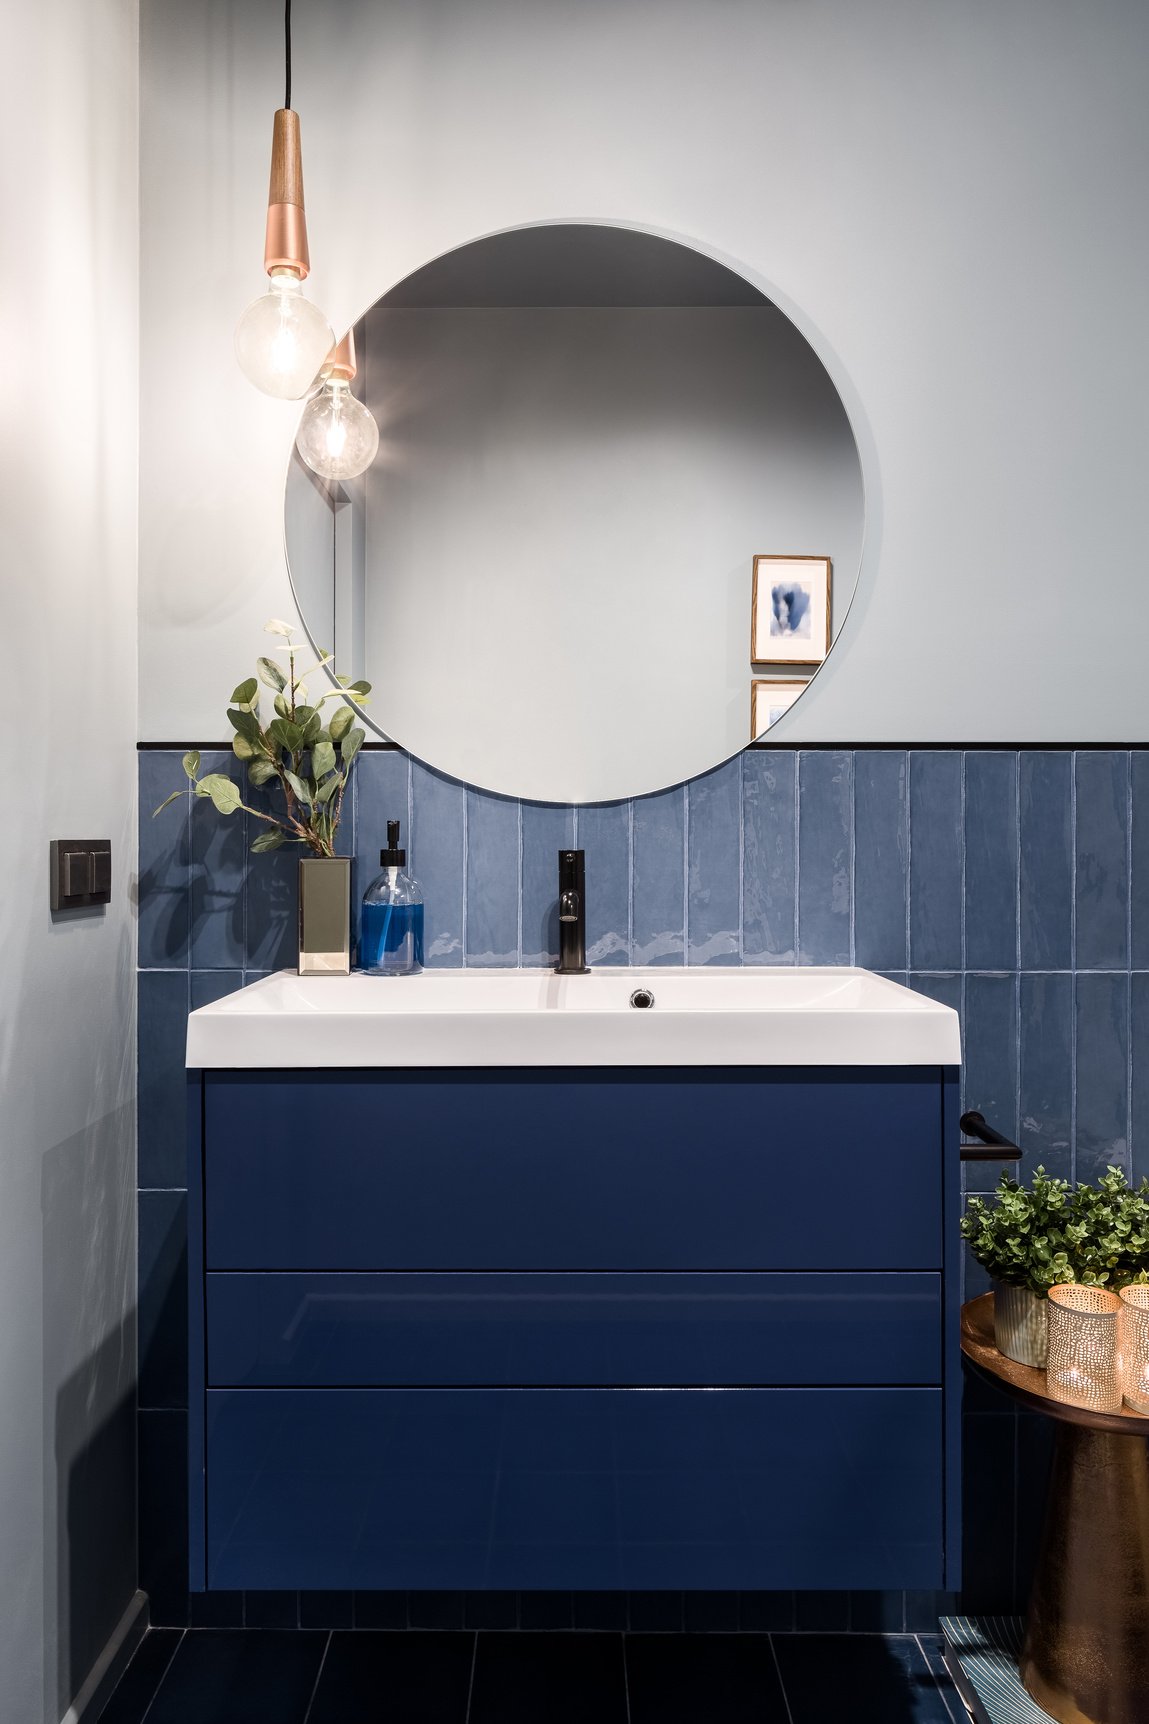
(81, 872)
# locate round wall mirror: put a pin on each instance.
(613, 526)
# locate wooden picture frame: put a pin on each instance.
(770, 697)
(790, 610)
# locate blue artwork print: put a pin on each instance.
(790, 617)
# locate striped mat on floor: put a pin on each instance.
(982, 1653)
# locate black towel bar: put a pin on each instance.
(992, 1145)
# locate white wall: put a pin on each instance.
(68, 157)
(948, 197)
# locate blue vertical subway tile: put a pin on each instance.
(271, 892)
(713, 820)
(1139, 1100)
(1102, 860)
(547, 829)
(881, 861)
(825, 863)
(219, 862)
(438, 824)
(1139, 846)
(382, 793)
(991, 885)
(770, 856)
(163, 1299)
(1047, 1073)
(164, 863)
(991, 1055)
(1102, 1027)
(935, 860)
(659, 876)
(492, 880)
(1046, 815)
(604, 834)
(210, 985)
(161, 1099)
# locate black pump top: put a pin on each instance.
(393, 857)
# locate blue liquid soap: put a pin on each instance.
(391, 919)
(391, 939)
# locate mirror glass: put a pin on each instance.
(588, 435)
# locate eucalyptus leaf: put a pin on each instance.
(242, 748)
(282, 707)
(261, 772)
(245, 722)
(245, 692)
(352, 743)
(174, 797)
(287, 735)
(312, 727)
(275, 627)
(322, 759)
(341, 723)
(222, 791)
(269, 840)
(191, 765)
(328, 788)
(300, 786)
(270, 673)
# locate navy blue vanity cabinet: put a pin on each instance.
(574, 1328)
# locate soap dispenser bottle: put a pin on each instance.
(391, 922)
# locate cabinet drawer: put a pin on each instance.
(753, 1169)
(420, 1330)
(599, 1488)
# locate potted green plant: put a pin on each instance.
(305, 760)
(1053, 1233)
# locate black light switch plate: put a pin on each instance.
(81, 872)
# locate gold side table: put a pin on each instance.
(1086, 1653)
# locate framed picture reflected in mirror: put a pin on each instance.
(790, 610)
(770, 697)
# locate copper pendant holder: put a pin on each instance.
(285, 246)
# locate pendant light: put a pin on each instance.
(337, 436)
(282, 340)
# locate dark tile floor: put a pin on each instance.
(271, 1676)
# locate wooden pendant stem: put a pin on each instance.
(286, 244)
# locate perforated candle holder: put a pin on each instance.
(1133, 1347)
(1082, 1368)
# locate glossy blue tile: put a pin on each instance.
(725, 1679)
(1139, 1100)
(881, 859)
(659, 883)
(1102, 1074)
(1102, 860)
(547, 829)
(164, 863)
(208, 986)
(713, 820)
(219, 863)
(770, 857)
(1047, 1073)
(395, 1677)
(935, 860)
(991, 884)
(438, 846)
(945, 988)
(990, 1077)
(162, 1086)
(382, 793)
(162, 1458)
(234, 1677)
(825, 862)
(163, 1301)
(604, 833)
(1045, 779)
(1139, 846)
(493, 848)
(867, 1678)
(271, 894)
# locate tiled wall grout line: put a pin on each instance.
(163, 1674)
(781, 1683)
(471, 1679)
(964, 1719)
(318, 1679)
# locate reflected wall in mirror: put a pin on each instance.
(587, 436)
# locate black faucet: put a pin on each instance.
(572, 914)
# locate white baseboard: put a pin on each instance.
(111, 1663)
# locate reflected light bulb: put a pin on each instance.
(337, 436)
(282, 340)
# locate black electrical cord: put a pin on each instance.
(287, 52)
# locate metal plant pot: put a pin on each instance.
(1020, 1324)
(325, 916)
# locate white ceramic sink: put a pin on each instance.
(700, 1017)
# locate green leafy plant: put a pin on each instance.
(1054, 1233)
(308, 759)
